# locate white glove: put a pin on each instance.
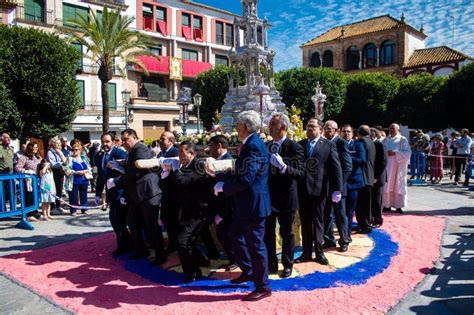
(110, 183)
(277, 161)
(98, 200)
(165, 173)
(336, 196)
(217, 219)
(218, 187)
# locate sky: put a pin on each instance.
(297, 21)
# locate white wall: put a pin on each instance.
(443, 72)
(414, 42)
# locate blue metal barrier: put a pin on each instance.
(9, 195)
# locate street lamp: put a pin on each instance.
(319, 99)
(126, 100)
(197, 98)
(184, 99)
(261, 89)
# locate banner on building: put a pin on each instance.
(176, 69)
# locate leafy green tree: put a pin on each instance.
(418, 104)
(38, 71)
(367, 98)
(213, 86)
(296, 86)
(10, 117)
(458, 97)
(106, 39)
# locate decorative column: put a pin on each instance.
(378, 57)
(360, 59)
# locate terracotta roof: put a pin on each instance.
(376, 24)
(434, 55)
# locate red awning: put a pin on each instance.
(186, 30)
(162, 27)
(193, 68)
(154, 65)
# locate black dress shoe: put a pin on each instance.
(329, 245)
(258, 294)
(399, 210)
(366, 230)
(387, 209)
(344, 248)
(192, 277)
(286, 272)
(321, 259)
(272, 271)
(303, 258)
(231, 266)
(139, 255)
(241, 279)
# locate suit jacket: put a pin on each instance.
(222, 205)
(359, 158)
(380, 165)
(195, 190)
(140, 184)
(172, 152)
(323, 173)
(284, 187)
(169, 188)
(248, 184)
(103, 174)
(346, 161)
(368, 168)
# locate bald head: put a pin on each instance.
(167, 140)
(330, 129)
(394, 130)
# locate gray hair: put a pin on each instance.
(251, 119)
(284, 120)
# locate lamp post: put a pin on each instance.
(197, 98)
(261, 89)
(126, 100)
(184, 99)
(319, 99)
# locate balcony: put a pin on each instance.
(111, 3)
(94, 69)
(8, 4)
(96, 109)
(33, 15)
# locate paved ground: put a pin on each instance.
(447, 289)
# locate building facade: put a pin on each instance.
(187, 35)
(380, 44)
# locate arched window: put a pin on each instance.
(315, 60)
(370, 56)
(327, 59)
(352, 58)
(387, 53)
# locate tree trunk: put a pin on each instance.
(105, 105)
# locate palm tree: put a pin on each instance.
(105, 39)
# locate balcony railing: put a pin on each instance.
(94, 69)
(113, 3)
(96, 107)
(34, 15)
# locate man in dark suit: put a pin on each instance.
(364, 199)
(222, 205)
(355, 180)
(380, 178)
(286, 169)
(337, 209)
(118, 211)
(143, 196)
(170, 201)
(195, 191)
(249, 187)
(323, 175)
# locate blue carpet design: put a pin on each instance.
(377, 261)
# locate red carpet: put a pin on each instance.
(84, 278)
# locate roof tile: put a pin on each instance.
(434, 55)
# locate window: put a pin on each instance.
(222, 60)
(229, 35)
(82, 97)
(327, 59)
(186, 19)
(352, 58)
(98, 15)
(315, 60)
(220, 33)
(112, 96)
(187, 83)
(160, 14)
(259, 36)
(156, 50)
(197, 22)
(387, 53)
(370, 56)
(78, 47)
(147, 17)
(189, 54)
(72, 13)
(34, 10)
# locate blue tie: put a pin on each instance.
(311, 145)
(104, 161)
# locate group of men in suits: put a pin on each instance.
(326, 178)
